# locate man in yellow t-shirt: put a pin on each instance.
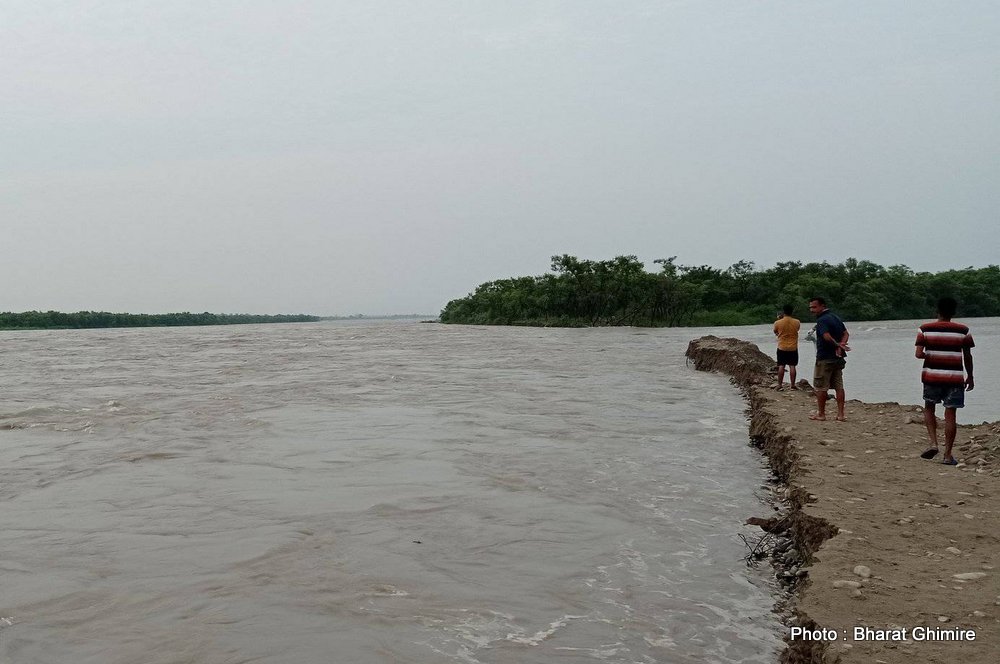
(786, 329)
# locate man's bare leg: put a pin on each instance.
(781, 375)
(930, 421)
(950, 428)
(820, 406)
(841, 397)
(791, 377)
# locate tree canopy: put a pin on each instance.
(620, 291)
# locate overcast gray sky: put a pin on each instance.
(385, 156)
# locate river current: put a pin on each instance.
(375, 492)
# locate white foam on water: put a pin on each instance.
(540, 636)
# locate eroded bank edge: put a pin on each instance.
(796, 535)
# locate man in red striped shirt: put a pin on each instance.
(946, 349)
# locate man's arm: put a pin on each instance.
(970, 384)
(841, 345)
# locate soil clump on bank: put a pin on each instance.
(873, 536)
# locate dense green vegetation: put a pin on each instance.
(621, 292)
(36, 320)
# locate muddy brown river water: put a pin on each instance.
(374, 492)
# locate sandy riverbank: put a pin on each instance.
(887, 540)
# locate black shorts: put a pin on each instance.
(953, 396)
(788, 358)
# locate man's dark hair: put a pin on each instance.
(787, 310)
(818, 299)
(947, 306)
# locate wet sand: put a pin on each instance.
(915, 543)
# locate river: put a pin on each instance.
(377, 492)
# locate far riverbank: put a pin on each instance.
(57, 320)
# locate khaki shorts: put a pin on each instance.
(829, 375)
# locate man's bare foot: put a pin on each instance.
(841, 418)
(779, 388)
(794, 388)
(818, 417)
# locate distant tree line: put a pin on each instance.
(36, 320)
(621, 291)
(376, 317)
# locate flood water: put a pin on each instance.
(374, 492)
(881, 366)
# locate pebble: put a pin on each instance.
(953, 550)
(863, 571)
(855, 593)
(968, 516)
(969, 576)
(944, 619)
(979, 614)
(843, 583)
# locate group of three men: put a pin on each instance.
(944, 345)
